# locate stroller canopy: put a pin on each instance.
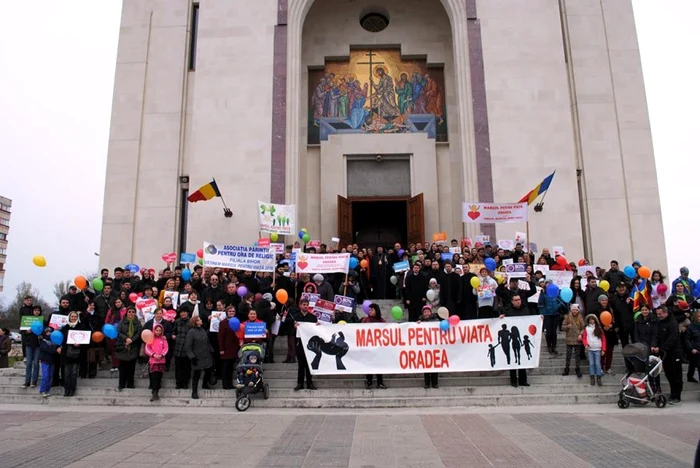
(636, 350)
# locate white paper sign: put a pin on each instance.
(557, 250)
(543, 268)
(58, 321)
(520, 238)
(561, 278)
(278, 248)
(322, 263)
(483, 239)
(276, 218)
(335, 239)
(239, 257)
(506, 244)
(582, 270)
(215, 320)
(78, 337)
(507, 261)
(494, 212)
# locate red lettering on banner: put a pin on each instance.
(412, 334)
(487, 333)
(423, 359)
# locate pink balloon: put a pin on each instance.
(133, 297)
(147, 336)
(454, 320)
(662, 289)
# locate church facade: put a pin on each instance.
(378, 119)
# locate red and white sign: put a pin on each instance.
(322, 263)
(494, 212)
(146, 308)
(278, 248)
(264, 242)
(314, 243)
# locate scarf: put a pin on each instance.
(72, 325)
(130, 332)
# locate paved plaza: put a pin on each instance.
(571, 437)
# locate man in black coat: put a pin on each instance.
(450, 289)
(468, 308)
(516, 308)
(621, 305)
(507, 293)
(213, 292)
(591, 295)
(103, 302)
(231, 297)
(379, 271)
(416, 288)
(614, 276)
(666, 343)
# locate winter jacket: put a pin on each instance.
(129, 352)
(199, 349)
(644, 329)
(573, 327)
(263, 308)
(614, 278)
(587, 336)
(181, 327)
(622, 311)
(68, 356)
(159, 345)
(550, 305)
(510, 311)
(102, 306)
(325, 290)
(666, 338)
(692, 337)
(47, 351)
(30, 339)
(228, 341)
(5, 348)
(688, 285)
(591, 298)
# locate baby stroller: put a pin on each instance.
(249, 375)
(637, 387)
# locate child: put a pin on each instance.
(47, 354)
(573, 326)
(156, 351)
(527, 344)
(435, 287)
(492, 355)
(427, 315)
(248, 376)
(594, 340)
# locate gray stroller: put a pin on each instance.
(637, 385)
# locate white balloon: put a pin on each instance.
(443, 313)
(430, 295)
(394, 280)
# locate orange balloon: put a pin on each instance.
(97, 337)
(80, 282)
(606, 318)
(282, 296)
(644, 272)
(363, 263)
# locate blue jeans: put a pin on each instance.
(31, 373)
(594, 363)
(46, 376)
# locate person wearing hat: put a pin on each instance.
(684, 279)
(324, 289)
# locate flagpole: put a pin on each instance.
(227, 212)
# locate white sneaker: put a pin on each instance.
(45, 395)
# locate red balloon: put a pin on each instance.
(532, 330)
(662, 289)
(454, 320)
(200, 253)
(133, 297)
(582, 262)
(562, 261)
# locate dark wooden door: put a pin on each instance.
(416, 222)
(345, 221)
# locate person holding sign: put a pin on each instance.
(303, 365)
(30, 341)
(374, 316)
(72, 355)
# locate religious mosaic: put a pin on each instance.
(376, 91)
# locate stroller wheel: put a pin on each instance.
(660, 401)
(243, 403)
(623, 404)
(266, 391)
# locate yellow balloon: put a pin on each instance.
(604, 285)
(475, 282)
(499, 279)
(342, 322)
(306, 231)
(39, 261)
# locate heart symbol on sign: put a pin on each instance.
(474, 214)
(302, 265)
(169, 257)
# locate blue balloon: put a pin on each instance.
(186, 274)
(110, 331)
(37, 328)
(132, 268)
(57, 337)
(301, 234)
(234, 324)
(552, 290)
(490, 264)
(629, 271)
(353, 263)
(444, 325)
(566, 294)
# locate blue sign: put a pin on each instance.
(446, 257)
(254, 329)
(132, 268)
(188, 258)
(401, 266)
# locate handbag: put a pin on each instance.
(72, 352)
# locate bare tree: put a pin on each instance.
(10, 316)
(60, 289)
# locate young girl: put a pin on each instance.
(156, 351)
(594, 340)
(573, 326)
(435, 287)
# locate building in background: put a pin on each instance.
(5, 206)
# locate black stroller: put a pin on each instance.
(249, 375)
(637, 386)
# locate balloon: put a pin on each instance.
(304, 230)
(443, 312)
(147, 336)
(301, 234)
(110, 331)
(242, 291)
(80, 282)
(682, 305)
(430, 295)
(562, 261)
(282, 296)
(637, 314)
(97, 337)
(255, 244)
(606, 318)
(133, 297)
(132, 268)
(532, 329)
(234, 324)
(274, 236)
(644, 272)
(490, 264)
(629, 271)
(397, 313)
(39, 261)
(500, 278)
(353, 263)
(200, 253)
(365, 306)
(662, 289)
(139, 294)
(342, 322)
(97, 284)
(57, 337)
(475, 282)
(258, 297)
(200, 261)
(393, 280)
(582, 262)
(454, 320)
(37, 328)
(401, 252)
(604, 285)
(566, 294)
(552, 290)
(364, 263)
(444, 325)
(306, 238)
(186, 274)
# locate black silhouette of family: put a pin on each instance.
(510, 339)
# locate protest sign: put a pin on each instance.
(254, 329)
(186, 258)
(322, 263)
(531, 247)
(561, 278)
(324, 310)
(516, 270)
(446, 257)
(311, 297)
(583, 270)
(314, 244)
(483, 239)
(455, 250)
(146, 306)
(520, 237)
(183, 298)
(264, 242)
(239, 257)
(344, 303)
(440, 237)
(27, 320)
(335, 239)
(507, 261)
(293, 260)
(494, 212)
(57, 321)
(506, 244)
(277, 248)
(466, 242)
(409, 348)
(543, 268)
(215, 319)
(557, 250)
(78, 337)
(475, 268)
(276, 218)
(400, 267)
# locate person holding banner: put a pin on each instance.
(427, 315)
(485, 291)
(374, 316)
(506, 338)
(303, 369)
(416, 288)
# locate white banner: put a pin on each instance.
(322, 263)
(494, 212)
(239, 257)
(410, 348)
(276, 218)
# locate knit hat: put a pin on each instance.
(318, 277)
(574, 306)
(602, 297)
(427, 306)
(267, 297)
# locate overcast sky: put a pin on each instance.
(58, 61)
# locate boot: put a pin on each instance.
(554, 350)
(566, 371)
(195, 383)
(599, 380)
(578, 372)
(156, 396)
(592, 380)
(153, 396)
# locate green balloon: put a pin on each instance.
(637, 315)
(397, 313)
(306, 238)
(200, 261)
(97, 284)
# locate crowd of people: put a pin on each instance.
(467, 280)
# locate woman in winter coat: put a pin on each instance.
(5, 348)
(486, 294)
(156, 351)
(228, 349)
(644, 328)
(374, 316)
(550, 308)
(573, 327)
(199, 351)
(71, 355)
(127, 347)
(288, 317)
(182, 362)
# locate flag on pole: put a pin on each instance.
(541, 188)
(205, 192)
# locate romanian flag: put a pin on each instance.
(539, 190)
(205, 192)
